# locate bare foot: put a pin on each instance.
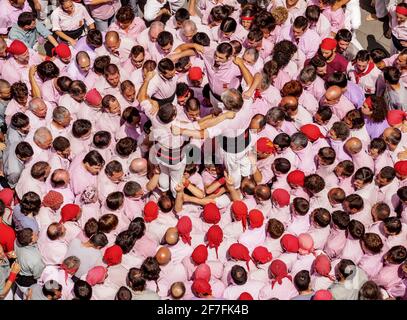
(371, 17)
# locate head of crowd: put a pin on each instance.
(202, 149)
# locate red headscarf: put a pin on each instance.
(17, 48)
(62, 50)
(69, 212)
(211, 213)
(282, 197)
(93, 97)
(200, 254)
(52, 198)
(67, 271)
(214, 236)
(184, 227)
(113, 255)
(203, 271)
(289, 243)
(279, 271)
(328, 44)
(261, 255)
(239, 210)
(265, 145)
(96, 275)
(305, 243)
(396, 117)
(401, 167)
(245, 296)
(7, 196)
(200, 286)
(322, 295)
(256, 218)
(296, 177)
(322, 265)
(312, 132)
(239, 251)
(150, 211)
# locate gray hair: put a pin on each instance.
(232, 99)
(34, 103)
(275, 114)
(307, 74)
(189, 24)
(41, 135)
(60, 113)
(299, 139)
(72, 262)
(265, 81)
(253, 52)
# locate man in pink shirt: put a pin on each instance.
(10, 10)
(334, 98)
(127, 24)
(307, 40)
(117, 48)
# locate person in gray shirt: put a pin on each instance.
(302, 282)
(51, 290)
(14, 162)
(88, 252)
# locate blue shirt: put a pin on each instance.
(22, 221)
(29, 37)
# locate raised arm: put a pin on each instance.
(247, 76)
(35, 89)
(213, 121)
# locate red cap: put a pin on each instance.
(256, 218)
(150, 211)
(265, 145)
(239, 210)
(17, 47)
(211, 213)
(281, 196)
(214, 236)
(290, 243)
(368, 101)
(7, 196)
(296, 177)
(322, 265)
(113, 255)
(322, 295)
(239, 251)
(200, 254)
(184, 227)
(312, 132)
(245, 296)
(62, 50)
(261, 255)
(93, 97)
(69, 212)
(395, 117)
(401, 167)
(328, 44)
(279, 270)
(200, 286)
(195, 73)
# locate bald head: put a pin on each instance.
(163, 256)
(43, 138)
(257, 122)
(353, 146)
(59, 178)
(38, 107)
(138, 166)
(171, 236)
(289, 102)
(333, 93)
(82, 56)
(177, 290)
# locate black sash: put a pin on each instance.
(161, 102)
(235, 144)
(172, 156)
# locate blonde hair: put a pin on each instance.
(280, 14)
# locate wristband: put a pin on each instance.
(12, 277)
(222, 181)
(186, 183)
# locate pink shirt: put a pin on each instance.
(316, 88)
(253, 287)
(103, 11)
(335, 243)
(9, 14)
(399, 31)
(371, 263)
(336, 18)
(52, 251)
(284, 291)
(61, 21)
(352, 250)
(308, 43)
(227, 75)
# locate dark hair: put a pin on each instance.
(239, 275)
(125, 14)
(327, 154)
(275, 228)
(356, 229)
(81, 127)
(346, 267)
(25, 19)
(135, 279)
(365, 174)
(94, 37)
(126, 241)
(150, 269)
(137, 227)
(51, 288)
(114, 200)
(301, 22)
(24, 236)
(82, 290)
(322, 217)
(126, 146)
(312, 13)
(91, 227)
(282, 165)
(30, 203)
(64, 83)
(19, 120)
(283, 140)
(370, 291)
(201, 38)
(181, 15)
(123, 294)
(354, 201)
(130, 188)
(47, 70)
(396, 254)
(165, 65)
(99, 240)
(302, 280)
(228, 25)
(372, 242)
(314, 183)
(393, 225)
(325, 112)
(166, 113)
(402, 193)
(348, 168)
(24, 150)
(337, 78)
(19, 90)
(344, 35)
(107, 222)
(341, 219)
(165, 38)
(301, 206)
(362, 55)
(93, 158)
(392, 75)
(100, 64)
(378, 55)
(61, 144)
(101, 139)
(341, 130)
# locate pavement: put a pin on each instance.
(370, 34)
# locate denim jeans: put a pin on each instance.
(102, 25)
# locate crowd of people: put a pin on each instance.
(201, 149)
